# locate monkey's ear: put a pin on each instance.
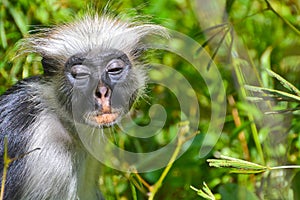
(50, 66)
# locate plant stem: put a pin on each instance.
(133, 191)
(286, 167)
(237, 65)
(238, 123)
(142, 180)
(282, 18)
(7, 161)
(154, 188)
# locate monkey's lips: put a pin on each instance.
(104, 118)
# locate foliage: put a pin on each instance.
(262, 122)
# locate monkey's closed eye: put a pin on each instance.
(115, 67)
(80, 72)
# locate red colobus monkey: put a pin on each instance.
(90, 66)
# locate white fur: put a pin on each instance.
(89, 33)
(61, 169)
(50, 167)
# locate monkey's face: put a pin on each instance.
(103, 86)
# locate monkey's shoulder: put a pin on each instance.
(19, 108)
(19, 103)
(22, 86)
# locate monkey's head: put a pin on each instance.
(104, 85)
(93, 65)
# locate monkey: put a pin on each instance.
(91, 75)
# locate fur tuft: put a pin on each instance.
(90, 32)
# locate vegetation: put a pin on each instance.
(256, 47)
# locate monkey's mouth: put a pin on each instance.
(106, 118)
(103, 119)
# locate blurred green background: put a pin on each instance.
(269, 31)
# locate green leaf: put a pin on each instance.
(2, 30)
(19, 19)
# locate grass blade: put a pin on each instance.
(205, 192)
(275, 93)
(284, 82)
(236, 165)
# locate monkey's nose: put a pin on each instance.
(103, 94)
